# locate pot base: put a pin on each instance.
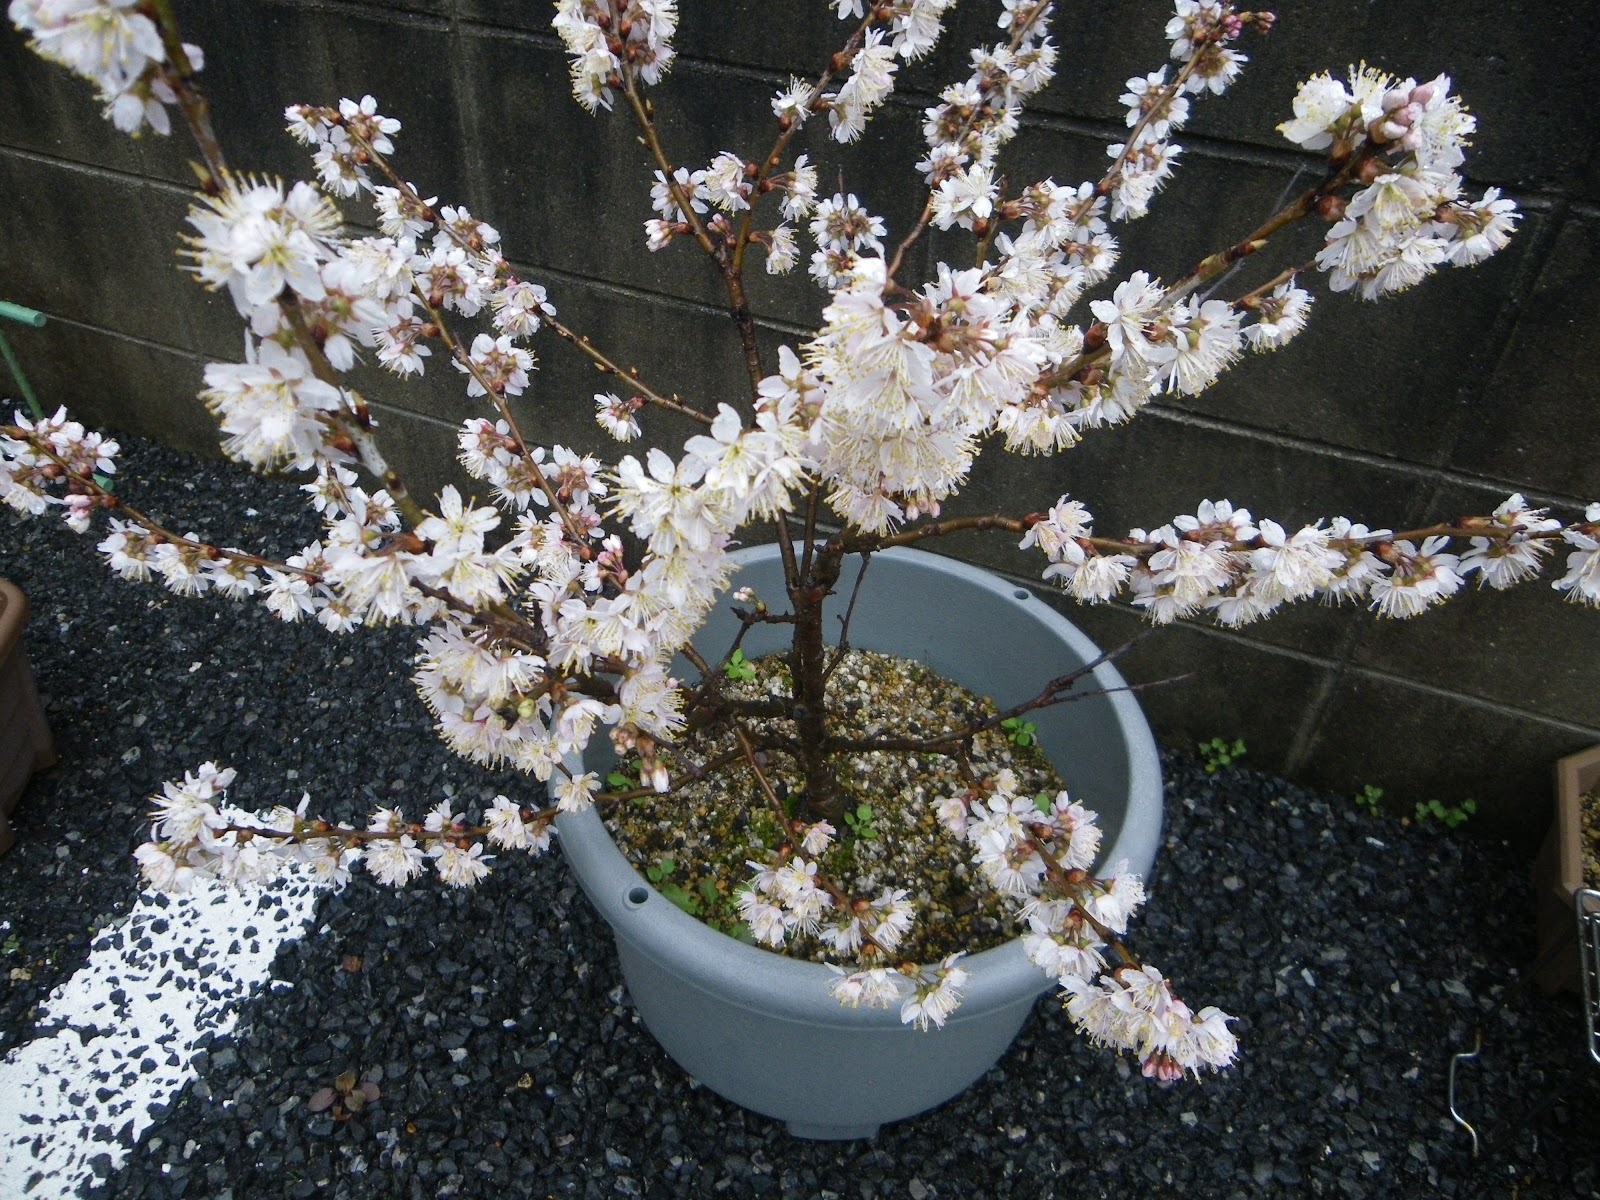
(831, 1133)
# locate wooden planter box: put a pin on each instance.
(25, 745)
(1558, 875)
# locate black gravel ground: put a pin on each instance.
(1358, 955)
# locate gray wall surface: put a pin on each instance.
(1430, 405)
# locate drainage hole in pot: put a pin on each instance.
(637, 896)
(1022, 595)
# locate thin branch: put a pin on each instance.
(844, 621)
(1251, 299)
(704, 769)
(749, 753)
(809, 538)
(192, 101)
(867, 542)
(1303, 206)
(308, 830)
(843, 900)
(631, 375)
(738, 304)
(576, 532)
(196, 109)
(644, 113)
(1046, 699)
(1283, 197)
(1463, 527)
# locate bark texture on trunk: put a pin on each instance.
(823, 798)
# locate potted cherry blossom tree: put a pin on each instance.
(562, 620)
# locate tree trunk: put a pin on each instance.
(823, 798)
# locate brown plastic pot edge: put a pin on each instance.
(1558, 874)
(25, 742)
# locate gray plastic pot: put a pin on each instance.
(761, 1029)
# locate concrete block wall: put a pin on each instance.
(1426, 406)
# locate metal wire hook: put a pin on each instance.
(1477, 1045)
(1586, 902)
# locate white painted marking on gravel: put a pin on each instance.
(118, 1038)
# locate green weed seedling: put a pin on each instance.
(662, 871)
(860, 823)
(739, 667)
(705, 903)
(625, 778)
(1370, 799)
(661, 876)
(1217, 753)
(1019, 732)
(1451, 816)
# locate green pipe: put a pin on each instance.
(22, 316)
(16, 371)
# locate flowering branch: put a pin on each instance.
(196, 110)
(349, 437)
(739, 307)
(87, 493)
(410, 200)
(495, 390)
(1221, 559)
(792, 109)
(1035, 16)
(796, 892)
